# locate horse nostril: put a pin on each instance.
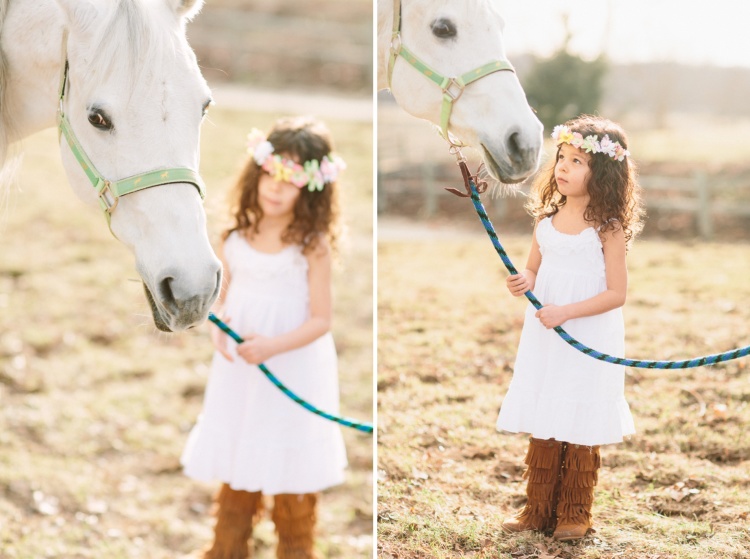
(166, 295)
(217, 289)
(515, 152)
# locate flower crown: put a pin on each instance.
(312, 174)
(590, 144)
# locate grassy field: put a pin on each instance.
(96, 405)
(447, 336)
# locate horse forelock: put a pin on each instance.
(132, 33)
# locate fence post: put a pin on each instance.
(705, 223)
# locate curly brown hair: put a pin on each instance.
(316, 213)
(615, 195)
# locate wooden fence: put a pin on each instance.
(281, 49)
(708, 199)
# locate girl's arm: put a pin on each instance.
(613, 297)
(521, 283)
(257, 348)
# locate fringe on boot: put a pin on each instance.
(543, 478)
(580, 476)
(295, 517)
(236, 514)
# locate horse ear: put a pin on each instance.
(80, 14)
(187, 8)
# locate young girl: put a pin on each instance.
(277, 296)
(587, 210)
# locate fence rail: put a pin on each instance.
(269, 48)
(709, 199)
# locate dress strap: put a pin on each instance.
(599, 229)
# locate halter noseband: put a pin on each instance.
(109, 192)
(452, 88)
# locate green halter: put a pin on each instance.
(109, 192)
(452, 88)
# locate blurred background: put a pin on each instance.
(95, 404)
(675, 75)
(320, 44)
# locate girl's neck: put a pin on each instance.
(570, 218)
(576, 205)
(272, 224)
(268, 238)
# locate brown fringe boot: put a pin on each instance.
(294, 517)
(580, 466)
(543, 474)
(236, 514)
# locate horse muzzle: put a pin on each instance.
(515, 160)
(177, 304)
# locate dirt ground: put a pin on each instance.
(447, 336)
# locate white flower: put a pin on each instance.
(262, 152)
(608, 146)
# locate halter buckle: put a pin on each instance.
(396, 43)
(449, 89)
(107, 199)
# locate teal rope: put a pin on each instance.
(353, 423)
(639, 363)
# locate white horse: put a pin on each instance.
(454, 38)
(135, 99)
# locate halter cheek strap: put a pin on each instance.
(109, 192)
(452, 88)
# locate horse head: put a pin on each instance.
(454, 38)
(135, 99)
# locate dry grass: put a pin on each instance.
(96, 405)
(447, 336)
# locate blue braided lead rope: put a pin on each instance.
(639, 363)
(353, 423)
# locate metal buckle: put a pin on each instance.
(396, 43)
(448, 89)
(108, 203)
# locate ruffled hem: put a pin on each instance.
(549, 417)
(267, 468)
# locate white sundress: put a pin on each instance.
(556, 391)
(249, 434)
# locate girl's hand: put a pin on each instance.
(219, 339)
(517, 284)
(256, 348)
(552, 316)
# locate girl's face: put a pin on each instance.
(572, 171)
(276, 198)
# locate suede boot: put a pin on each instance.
(294, 517)
(580, 475)
(236, 514)
(542, 487)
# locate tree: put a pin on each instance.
(565, 86)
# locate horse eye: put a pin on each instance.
(100, 120)
(443, 28)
